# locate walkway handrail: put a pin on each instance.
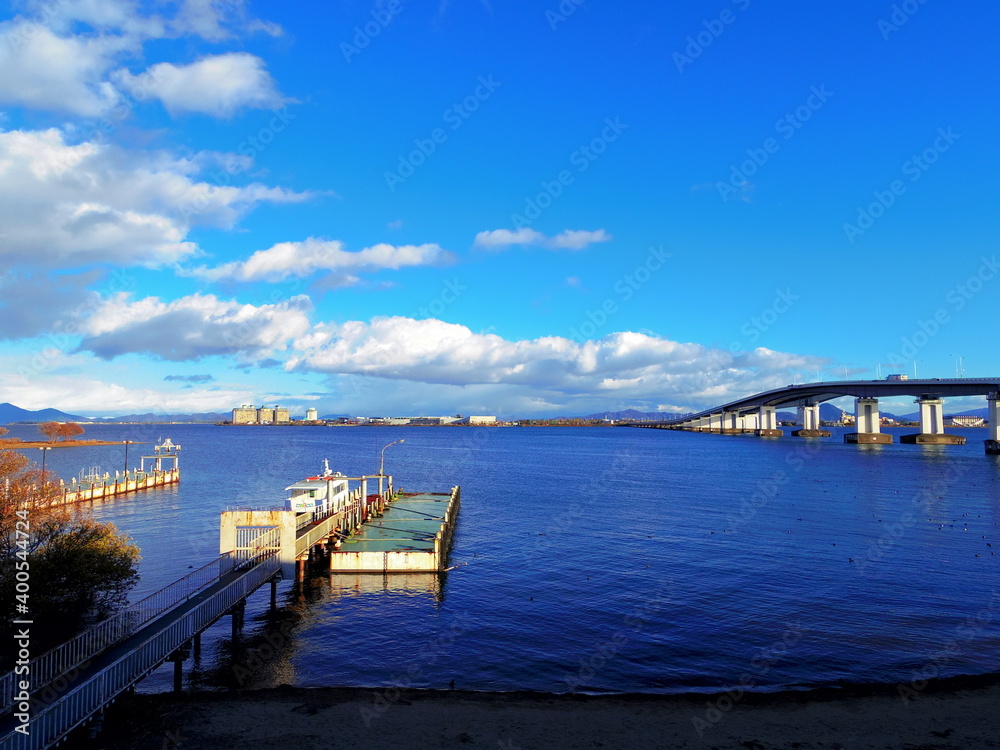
(76, 706)
(103, 635)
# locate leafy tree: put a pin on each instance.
(50, 430)
(68, 430)
(78, 568)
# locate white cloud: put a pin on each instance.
(622, 366)
(301, 259)
(217, 85)
(66, 74)
(67, 57)
(65, 205)
(76, 395)
(193, 327)
(570, 239)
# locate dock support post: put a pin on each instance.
(237, 619)
(274, 594)
(197, 647)
(178, 674)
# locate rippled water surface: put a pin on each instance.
(609, 559)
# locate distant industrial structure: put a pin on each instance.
(248, 414)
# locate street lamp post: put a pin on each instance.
(381, 466)
(45, 452)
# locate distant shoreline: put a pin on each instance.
(15, 444)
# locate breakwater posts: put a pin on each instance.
(413, 534)
(119, 484)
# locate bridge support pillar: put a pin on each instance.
(715, 422)
(869, 424)
(993, 442)
(767, 421)
(809, 419)
(932, 425)
(731, 423)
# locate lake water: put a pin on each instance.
(605, 559)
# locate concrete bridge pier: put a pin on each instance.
(868, 423)
(932, 425)
(993, 442)
(767, 422)
(809, 419)
(731, 423)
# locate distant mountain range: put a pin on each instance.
(10, 414)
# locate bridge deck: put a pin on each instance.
(114, 670)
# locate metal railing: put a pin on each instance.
(78, 704)
(88, 644)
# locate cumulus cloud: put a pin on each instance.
(621, 365)
(300, 259)
(193, 327)
(82, 395)
(64, 205)
(48, 72)
(67, 57)
(189, 378)
(217, 85)
(498, 240)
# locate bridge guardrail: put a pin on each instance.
(76, 706)
(88, 644)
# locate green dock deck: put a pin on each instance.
(412, 535)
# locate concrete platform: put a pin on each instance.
(811, 433)
(769, 433)
(992, 447)
(868, 438)
(413, 535)
(924, 438)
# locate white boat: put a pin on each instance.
(326, 492)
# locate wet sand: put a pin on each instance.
(961, 713)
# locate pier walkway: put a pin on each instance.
(72, 684)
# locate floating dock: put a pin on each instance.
(96, 486)
(412, 535)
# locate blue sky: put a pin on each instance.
(474, 206)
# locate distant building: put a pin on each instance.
(245, 414)
(311, 415)
(477, 420)
(265, 415)
(964, 420)
(282, 415)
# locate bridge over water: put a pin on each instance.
(757, 414)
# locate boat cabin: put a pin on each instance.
(327, 491)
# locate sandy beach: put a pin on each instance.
(953, 713)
